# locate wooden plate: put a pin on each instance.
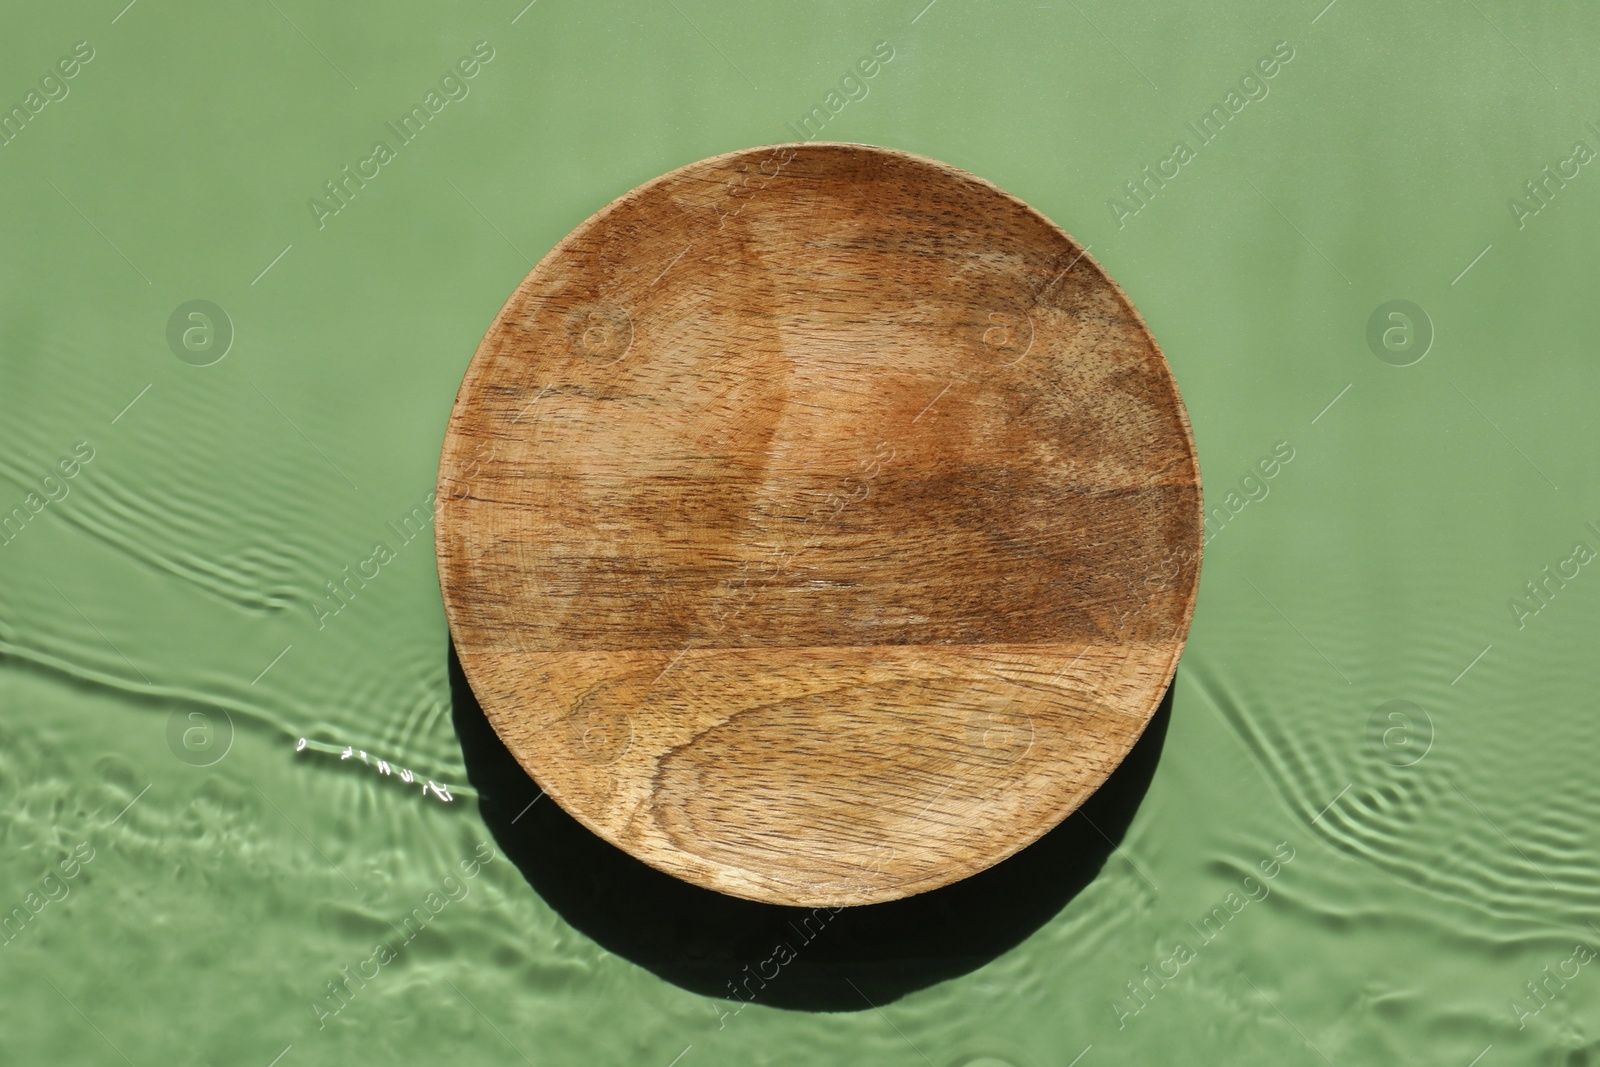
(819, 524)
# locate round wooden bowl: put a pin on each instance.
(819, 524)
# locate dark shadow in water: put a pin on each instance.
(721, 946)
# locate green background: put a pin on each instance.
(177, 576)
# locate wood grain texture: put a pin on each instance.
(819, 524)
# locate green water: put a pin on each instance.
(190, 883)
